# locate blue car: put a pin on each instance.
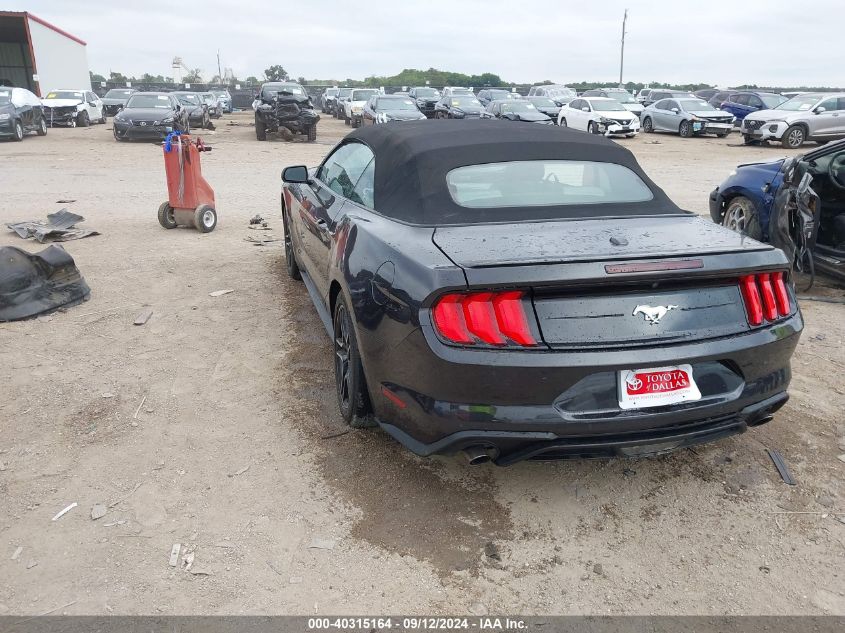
(796, 204)
(741, 103)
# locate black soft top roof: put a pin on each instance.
(413, 158)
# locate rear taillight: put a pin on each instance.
(484, 318)
(765, 297)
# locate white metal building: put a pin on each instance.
(39, 56)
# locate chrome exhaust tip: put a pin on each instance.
(477, 455)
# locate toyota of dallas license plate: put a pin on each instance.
(656, 387)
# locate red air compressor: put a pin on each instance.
(190, 198)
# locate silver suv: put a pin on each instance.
(814, 116)
(558, 93)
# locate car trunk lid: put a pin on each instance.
(616, 283)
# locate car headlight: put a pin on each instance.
(168, 120)
(458, 112)
(606, 121)
(5, 116)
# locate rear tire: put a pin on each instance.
(794, 137)
(741, 216)
(205, 218)
(350, 385)
(165, 215)
(260, 130)
(648, 126)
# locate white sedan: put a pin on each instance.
(599, 115)
(73, 107)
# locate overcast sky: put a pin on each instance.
(709, 41)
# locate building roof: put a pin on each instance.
(42, 22)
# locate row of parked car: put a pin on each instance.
(136, 114)
(792, 118)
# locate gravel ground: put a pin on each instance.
(234, 452)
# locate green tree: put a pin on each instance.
(95, 78)
(117, 77)
(276, 73)
(194, 76)
(252, 81)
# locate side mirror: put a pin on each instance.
(675, 110)
(296, 174)
(820, 109)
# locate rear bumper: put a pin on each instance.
(525, 405)
(508, 448)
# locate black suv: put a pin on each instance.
(287, 105)
(425, 98)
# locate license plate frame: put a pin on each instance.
(656, 387)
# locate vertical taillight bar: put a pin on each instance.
(751, 298)
(765, 296)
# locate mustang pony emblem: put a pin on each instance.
(652, 314)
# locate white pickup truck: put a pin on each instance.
(353, 107)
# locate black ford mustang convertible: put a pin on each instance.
(520, 292)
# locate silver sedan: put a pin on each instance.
(687, 116)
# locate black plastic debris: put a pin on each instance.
(780, 464)
(60, 227)
(256, 219)
(38, 283)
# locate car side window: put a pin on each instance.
(841, 104)
(364, 188)
(344, 167)
(829, 104)
(755, 101)
(742, 99)
(663, 104)
(672, 105)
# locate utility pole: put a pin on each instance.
(622, 53)
(219, 74)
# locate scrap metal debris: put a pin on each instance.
(98, 511)
(61, 513)
(38, 283)
(261, 241)
(257, 219)
(780, 464)
(174, 554)
(143, 317)
(59, 227)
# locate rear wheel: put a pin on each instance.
(648, 126)
(352, 398)
(260, 130)
(83, 120)
(794, 137)
(741, 216)
(165, 215)
(685, 129)
(42, 127)
(290, 257)
(205, 218)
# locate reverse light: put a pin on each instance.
(765, 297)
(483, 318)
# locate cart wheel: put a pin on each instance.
(205, 218)
(165, 215)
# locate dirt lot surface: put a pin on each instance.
(214, 426)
